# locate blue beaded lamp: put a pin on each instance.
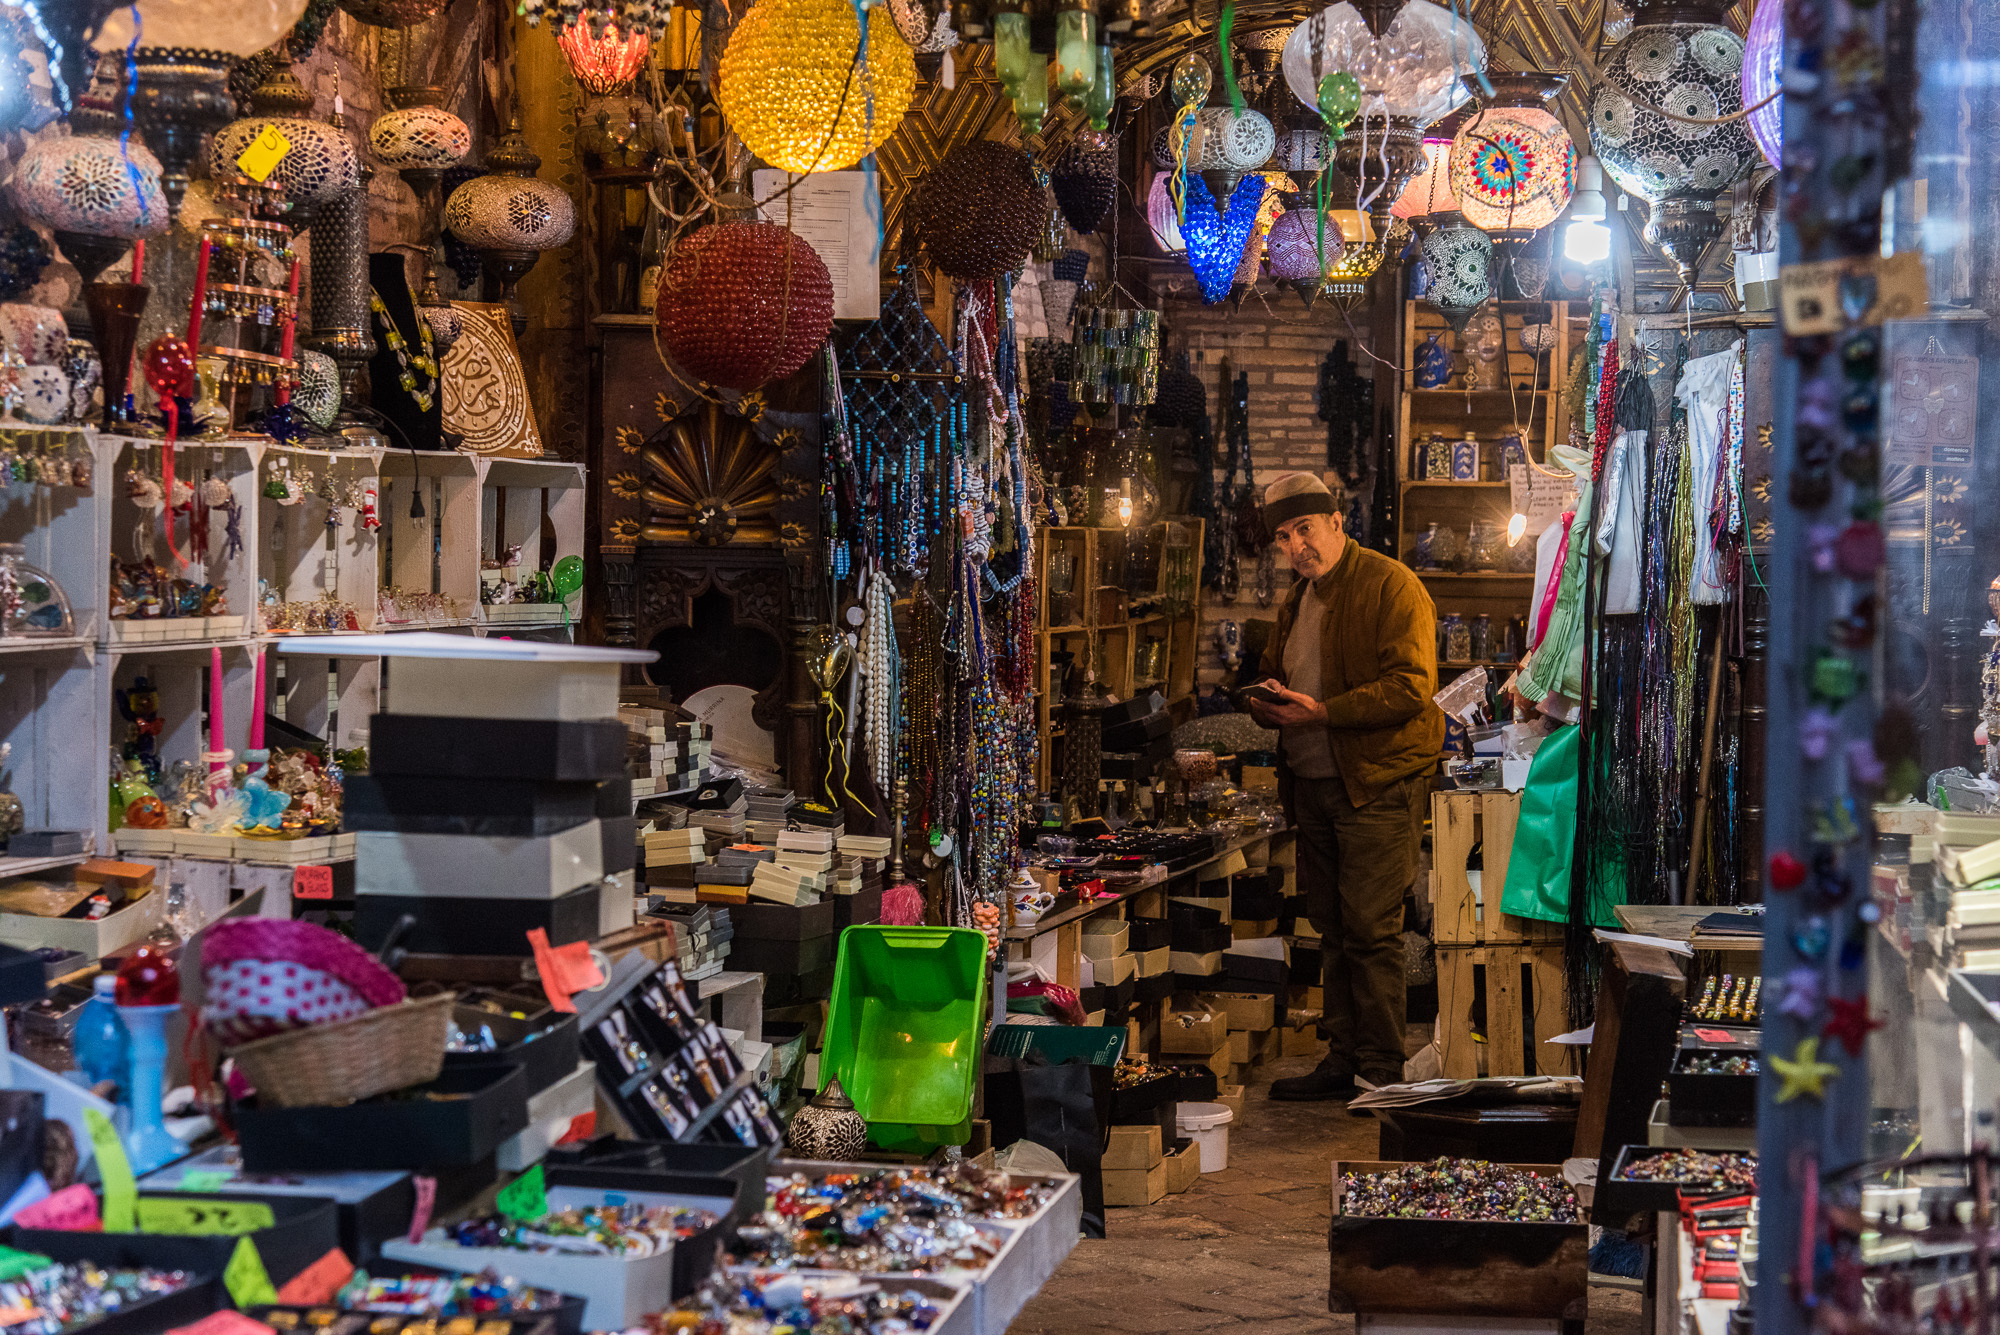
(1216, 239)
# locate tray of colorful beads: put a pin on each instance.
(1648, 1177)
(1004, 1234)
(431, 1304)
(768, 1302)
(626, 1253)
(44, 1297)
(1708, 1087)
(1456, 1237)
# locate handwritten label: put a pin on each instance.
(73, 1210)
(1715, 1035)
(318, 1282)
(224, 1322)
(262, 157)
(1827, 296)
(249, 1284)
(14, 1264)
(420, 1218)
(114, 1170)
(206, 1179)
(312, 883)
(526, 1197)
(202, 1217)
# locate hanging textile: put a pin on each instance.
(1620, 524)
(1703, 392)
(1557, 664)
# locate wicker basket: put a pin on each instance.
(391, 1047)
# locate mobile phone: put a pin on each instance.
(1262, 694)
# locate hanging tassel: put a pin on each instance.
(902, 902)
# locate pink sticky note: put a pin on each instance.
(420, 1218)
(73, 1210)
(1715, 1035)
(224, 1322)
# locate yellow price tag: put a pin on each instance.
(249, 1284)
(199, 1215)
(114, 1170)
(262, 157)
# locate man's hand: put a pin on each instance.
(1295, 709)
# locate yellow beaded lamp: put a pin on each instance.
(785, 76)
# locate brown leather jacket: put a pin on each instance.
(1378, 669)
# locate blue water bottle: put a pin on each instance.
(103, 1045)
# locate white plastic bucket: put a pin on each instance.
(1207, 1125)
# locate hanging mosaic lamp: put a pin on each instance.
(1408, 62)
(1691, 65)
(1304, 152)
(511, 217)
(786, 84)
(980, 211)
(1162, 217)
(1302, 249)
(321, 163)
(603, 54)
(1429, 191)
(421, 141)
(1361, 256)
(743, 303)
(1233, 143)
(1085, 182)
(446, 321)
(1460, 259)
(91, 185)
(1216, 240)
(1512, 164)
(1763, 82)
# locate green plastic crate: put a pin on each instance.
(904, 1028)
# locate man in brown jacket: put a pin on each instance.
(1359, 735)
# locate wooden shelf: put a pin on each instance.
(1474, 574)
(1467, 664)
(1479, 395)
(1449, 482)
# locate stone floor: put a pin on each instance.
(1244, 1250)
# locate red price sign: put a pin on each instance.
(312, 883)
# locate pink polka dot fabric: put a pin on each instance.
(251, 999)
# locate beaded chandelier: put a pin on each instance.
(603, 54)
(790, 87)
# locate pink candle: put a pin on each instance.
(139, 261)
(257, 705)
(284, 394)
(215, 699)
(200, 298)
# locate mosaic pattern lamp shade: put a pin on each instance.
(1235, 141)
(1411, 71)
(1692, 69)
(1460, 258)
(87, 183)
(420, 138)
(232, 27)
(321, 163)
(603, 54)
(1294, 251)
(1161, 218)
(317, 394)
(510, 208)
(1513, 167)
(981, 210)
(785, 85)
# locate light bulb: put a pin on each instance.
(1586, 242)
(1586, 204)
(1125, 503)
(1516, 526)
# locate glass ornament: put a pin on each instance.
(231, 27)
(1429, 191)
(1294, 252)
(317, 394)
(1031, 99)
(87, 183)
(1763, 75)
(1412, 70)
(38, 607)
(1192, 80)
(980, 210)
(743, 303)
(785, 85)
(509, 208)
(1513, 167)
(603, 54)
(1076, 50)
(1216, 240)
(1085, 183)
(321, 162)
(1693, 69)
(1339, 99)
(1103, 94)
(419, 138)
(1011, 50)
(1162, 217)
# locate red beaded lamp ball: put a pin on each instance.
(744, 303)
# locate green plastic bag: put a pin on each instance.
(1538, 869)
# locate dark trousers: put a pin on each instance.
(1355, 863)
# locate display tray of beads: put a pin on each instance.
(1456, 1237)
(1025, 1228)
(1710, 1088)
(953, 1308)
(1651, 1178)
(626, 1253)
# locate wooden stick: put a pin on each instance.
(1707, 762)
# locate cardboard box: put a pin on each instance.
(1111, 970)
(1307, 998)
(1152, 963)
(1230, 1096)
(1243, 929)
(1132, 1186)
(1206, 964)
(105, 936)
(1183, 1166)
(1246, 1010)
(1133, 1148)
(1251, 1046)
(1194, 1032)
(1241, 1073)
(1301, 1042)
(1218, 1062)
(448, 866)
(1101, 940)
(124, 875)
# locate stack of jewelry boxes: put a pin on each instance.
(497, 800)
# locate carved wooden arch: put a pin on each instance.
(669, 579)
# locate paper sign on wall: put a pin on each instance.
(1932, 409)
(1540, 495)
(839, 215)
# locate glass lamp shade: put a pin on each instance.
(232, 27)
(784, 84)
(1460, 258)
(447, 324)
(1161, 217)
(1302, 149)
(1294, 252)
(1216, 240)
(1413, 70)
(1235, 141)
(419, 138)
(1512, 169)
(504, 212)
(321, 162)
(1763, 68)
(743, 303)
(1692, 69)
(1429, 191)
(603, 54)
(317, 393)
(86, 183)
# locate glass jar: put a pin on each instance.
(1465, 458)
(1457, 639)
(1482, 542)
(1482, 638)
(1437, 458)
